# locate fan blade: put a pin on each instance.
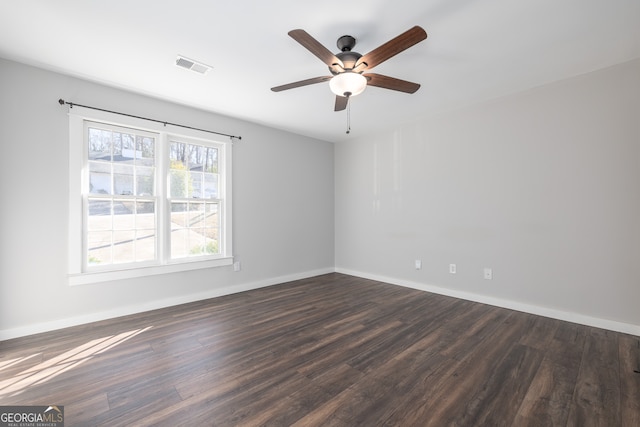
(392, 83)
(301, 83)
(393, 47)
(341, 103)
(314, 46)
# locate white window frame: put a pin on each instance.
(78, 272)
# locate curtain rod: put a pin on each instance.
(71, 104)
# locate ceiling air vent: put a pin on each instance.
(192, 65)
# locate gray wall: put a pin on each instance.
(542, 186)
(283, 206)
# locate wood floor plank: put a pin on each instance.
(541, 332)
(82, 411)
(331, 350)
(336, 379)
(548, 399)
(629, 350)
(596, 399)
(498, 400)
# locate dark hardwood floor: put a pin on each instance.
(332, 350)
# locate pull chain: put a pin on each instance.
(348, 116)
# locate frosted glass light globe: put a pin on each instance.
(348, 84)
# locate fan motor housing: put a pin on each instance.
(346, 55)
(348, 58)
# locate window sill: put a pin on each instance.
(108, 276)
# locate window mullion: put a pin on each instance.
(163, 226)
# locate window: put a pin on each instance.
(121, 201)
(193, 196)
(149, 201)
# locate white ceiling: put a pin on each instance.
(476, 50)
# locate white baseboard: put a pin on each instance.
(582, 319)
(153, 305)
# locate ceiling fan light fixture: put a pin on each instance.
(348, 84)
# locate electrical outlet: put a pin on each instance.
(236, 266)
(452, 268)
(418, 264)
(488, 273)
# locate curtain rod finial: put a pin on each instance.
(61, 101)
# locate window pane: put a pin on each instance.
(196, 157)
(178, 154)
(211, 160)
(144, 181)
(211, 215)
(212, 225)
(128, 149)
(146, 148)
(196, 214)
(116, 139)
(99, 247)
(196, 184)
(124, 215)
(145, 245)
(210, 186)
(178, 183)
(123, 179)
(146, 226)
(146, 208)
(99, 178)
(212, 247)
(179, 212)
(123, 246)
(196, 222)
(99, 215)
(197, 242)
(99, 144)
(179, 231)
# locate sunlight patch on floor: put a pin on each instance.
(55, 366)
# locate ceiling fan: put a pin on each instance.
(349, 76)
